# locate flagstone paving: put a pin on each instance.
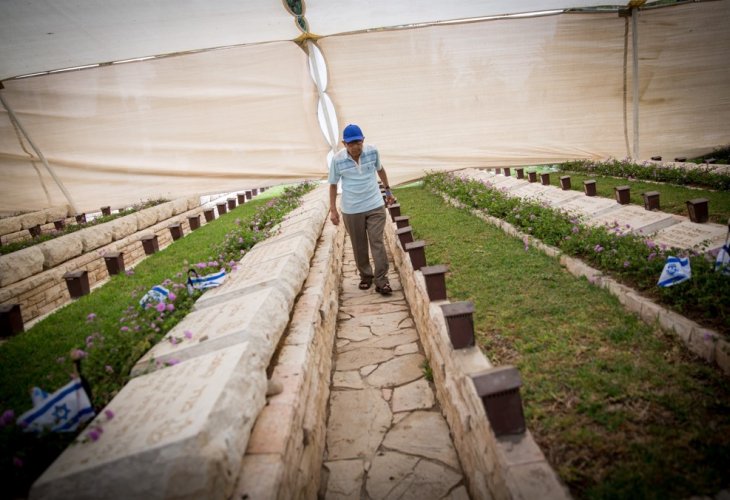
(386, 435)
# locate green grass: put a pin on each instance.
(673, 199)
(620, 409)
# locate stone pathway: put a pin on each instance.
(386, 436)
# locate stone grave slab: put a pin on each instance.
(301, 243)
(557, 197)
(635, 219)
(286, 273)
(531, 191)
(258, 318)
(180, 432)
(313, 221)
(590, 206)
(507, 183)
(688, 234)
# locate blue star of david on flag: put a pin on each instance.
(61, 411)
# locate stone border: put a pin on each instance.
(11, 228)
(704, 342)
(495, 467)
(284, 454)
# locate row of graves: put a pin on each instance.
(37, 280)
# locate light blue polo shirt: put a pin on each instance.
(360, 191)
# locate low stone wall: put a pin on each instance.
(503, 467)
(17, 227)
(33, 276)
(284, 455)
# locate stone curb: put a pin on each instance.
(505, 467)
(704, 342)
(284, 456)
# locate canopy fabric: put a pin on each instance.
(534, 90)
(326, 17)
(481, 93)
(207, 122)
(43, 35)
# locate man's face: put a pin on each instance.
(354, 148)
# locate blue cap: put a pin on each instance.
(352, 133)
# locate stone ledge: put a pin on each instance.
(489, 463)
(288, 439)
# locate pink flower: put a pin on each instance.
(7, 418)
(91, 317)
(627, 263)
(109, 414)
(124, 328)
(109, 369)
(170, 307)
(94, 434)
(129, 272)
(651, 256)
(78, 354)
(171, 296)
(575, 229)
(172, 361)
(174, 340)
(201, 265)
(188, 334)
(598, 249)
(160, 307)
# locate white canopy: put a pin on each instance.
(484, 92)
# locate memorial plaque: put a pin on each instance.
(688, 234)
(286, 273)
(636, 218)
(180, 432)
(590, 206)
(258, 318)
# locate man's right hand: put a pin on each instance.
(334, 216)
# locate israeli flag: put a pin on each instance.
(61, 411)
(155, 295)
(675, 271)
(202, 282)
(722, 263)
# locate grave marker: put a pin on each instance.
(180, 432)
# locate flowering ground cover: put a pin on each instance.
(109, 330)
(621, 409)
(631, 259)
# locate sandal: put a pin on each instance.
(384, 290)
(364, 284)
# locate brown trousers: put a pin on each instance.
(364, 228)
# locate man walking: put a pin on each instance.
(363, 210)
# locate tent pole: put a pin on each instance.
(318, 81)
(635, 77)
(40, 155)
